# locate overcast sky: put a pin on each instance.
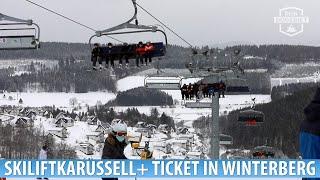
(201, 22)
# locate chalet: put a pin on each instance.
(87, 148)
(164, 128)
(104, 128)
(92, 120)
(183, 130)
(24, 122)
(188, 137)
(31, 114)
(141, 125)
(64, 122)
(184, 144)
(61, 115)
(96, 136)
(59, 132)
(47, 114)
(195, 155)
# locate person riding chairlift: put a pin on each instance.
(110, 55)
(125, 53)
(140, 52)
(149, 49)
(95, 55)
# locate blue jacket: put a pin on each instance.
(310, 131)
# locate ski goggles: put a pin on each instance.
(121, 133)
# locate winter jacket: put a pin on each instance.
(310, 131)
(149, 48)
(113, 149)
(141, 50)
(96, 52)
(42, 155)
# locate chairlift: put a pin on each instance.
(159, 47)
(15, 34)
(198, 104)
(226, 139)
(251, 117)
(163, 83)
(237, 85)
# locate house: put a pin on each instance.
(183, 130)
(141, 125)
(47, 114)
(104, 128)
(195, 155)
(164, 128)
(87, 148)
(61, 115)
(184, 144)
(92, 120)
(64, 122)
(24, 122)
(31, 114)
(96, 136)
(188, 137)
(59, 132)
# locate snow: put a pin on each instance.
(130, 82)
(188, 115)
(34, 99)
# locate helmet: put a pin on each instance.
(118, 126)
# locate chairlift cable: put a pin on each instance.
(165, 25)
(65, 17)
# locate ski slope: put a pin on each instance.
(59, 99)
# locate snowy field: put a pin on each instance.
(188, 115)
(58, 99)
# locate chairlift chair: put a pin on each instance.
(160, 47)
(226, 139)
(251, 117)
(163, 83)
(10, 40)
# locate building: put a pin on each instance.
(87, 148)
(64, 122)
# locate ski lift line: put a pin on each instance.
(65, 17)
(165, 25)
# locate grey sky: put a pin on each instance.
(202, 22)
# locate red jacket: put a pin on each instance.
(149, 48)
(141, 50)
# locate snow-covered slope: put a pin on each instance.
(58, 99)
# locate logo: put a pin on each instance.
(291, 21)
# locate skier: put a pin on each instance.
(310, 131)
(140, 52)
(95, 56)
(115, 143)
(43, 156)
(149, 48)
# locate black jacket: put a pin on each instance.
(96, 52)
(311, 124)
(113, 149)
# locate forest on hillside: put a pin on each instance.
(142, 97)
(263, 56)
(280, 129)
(67, 76)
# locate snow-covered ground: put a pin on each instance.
(58, 99)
